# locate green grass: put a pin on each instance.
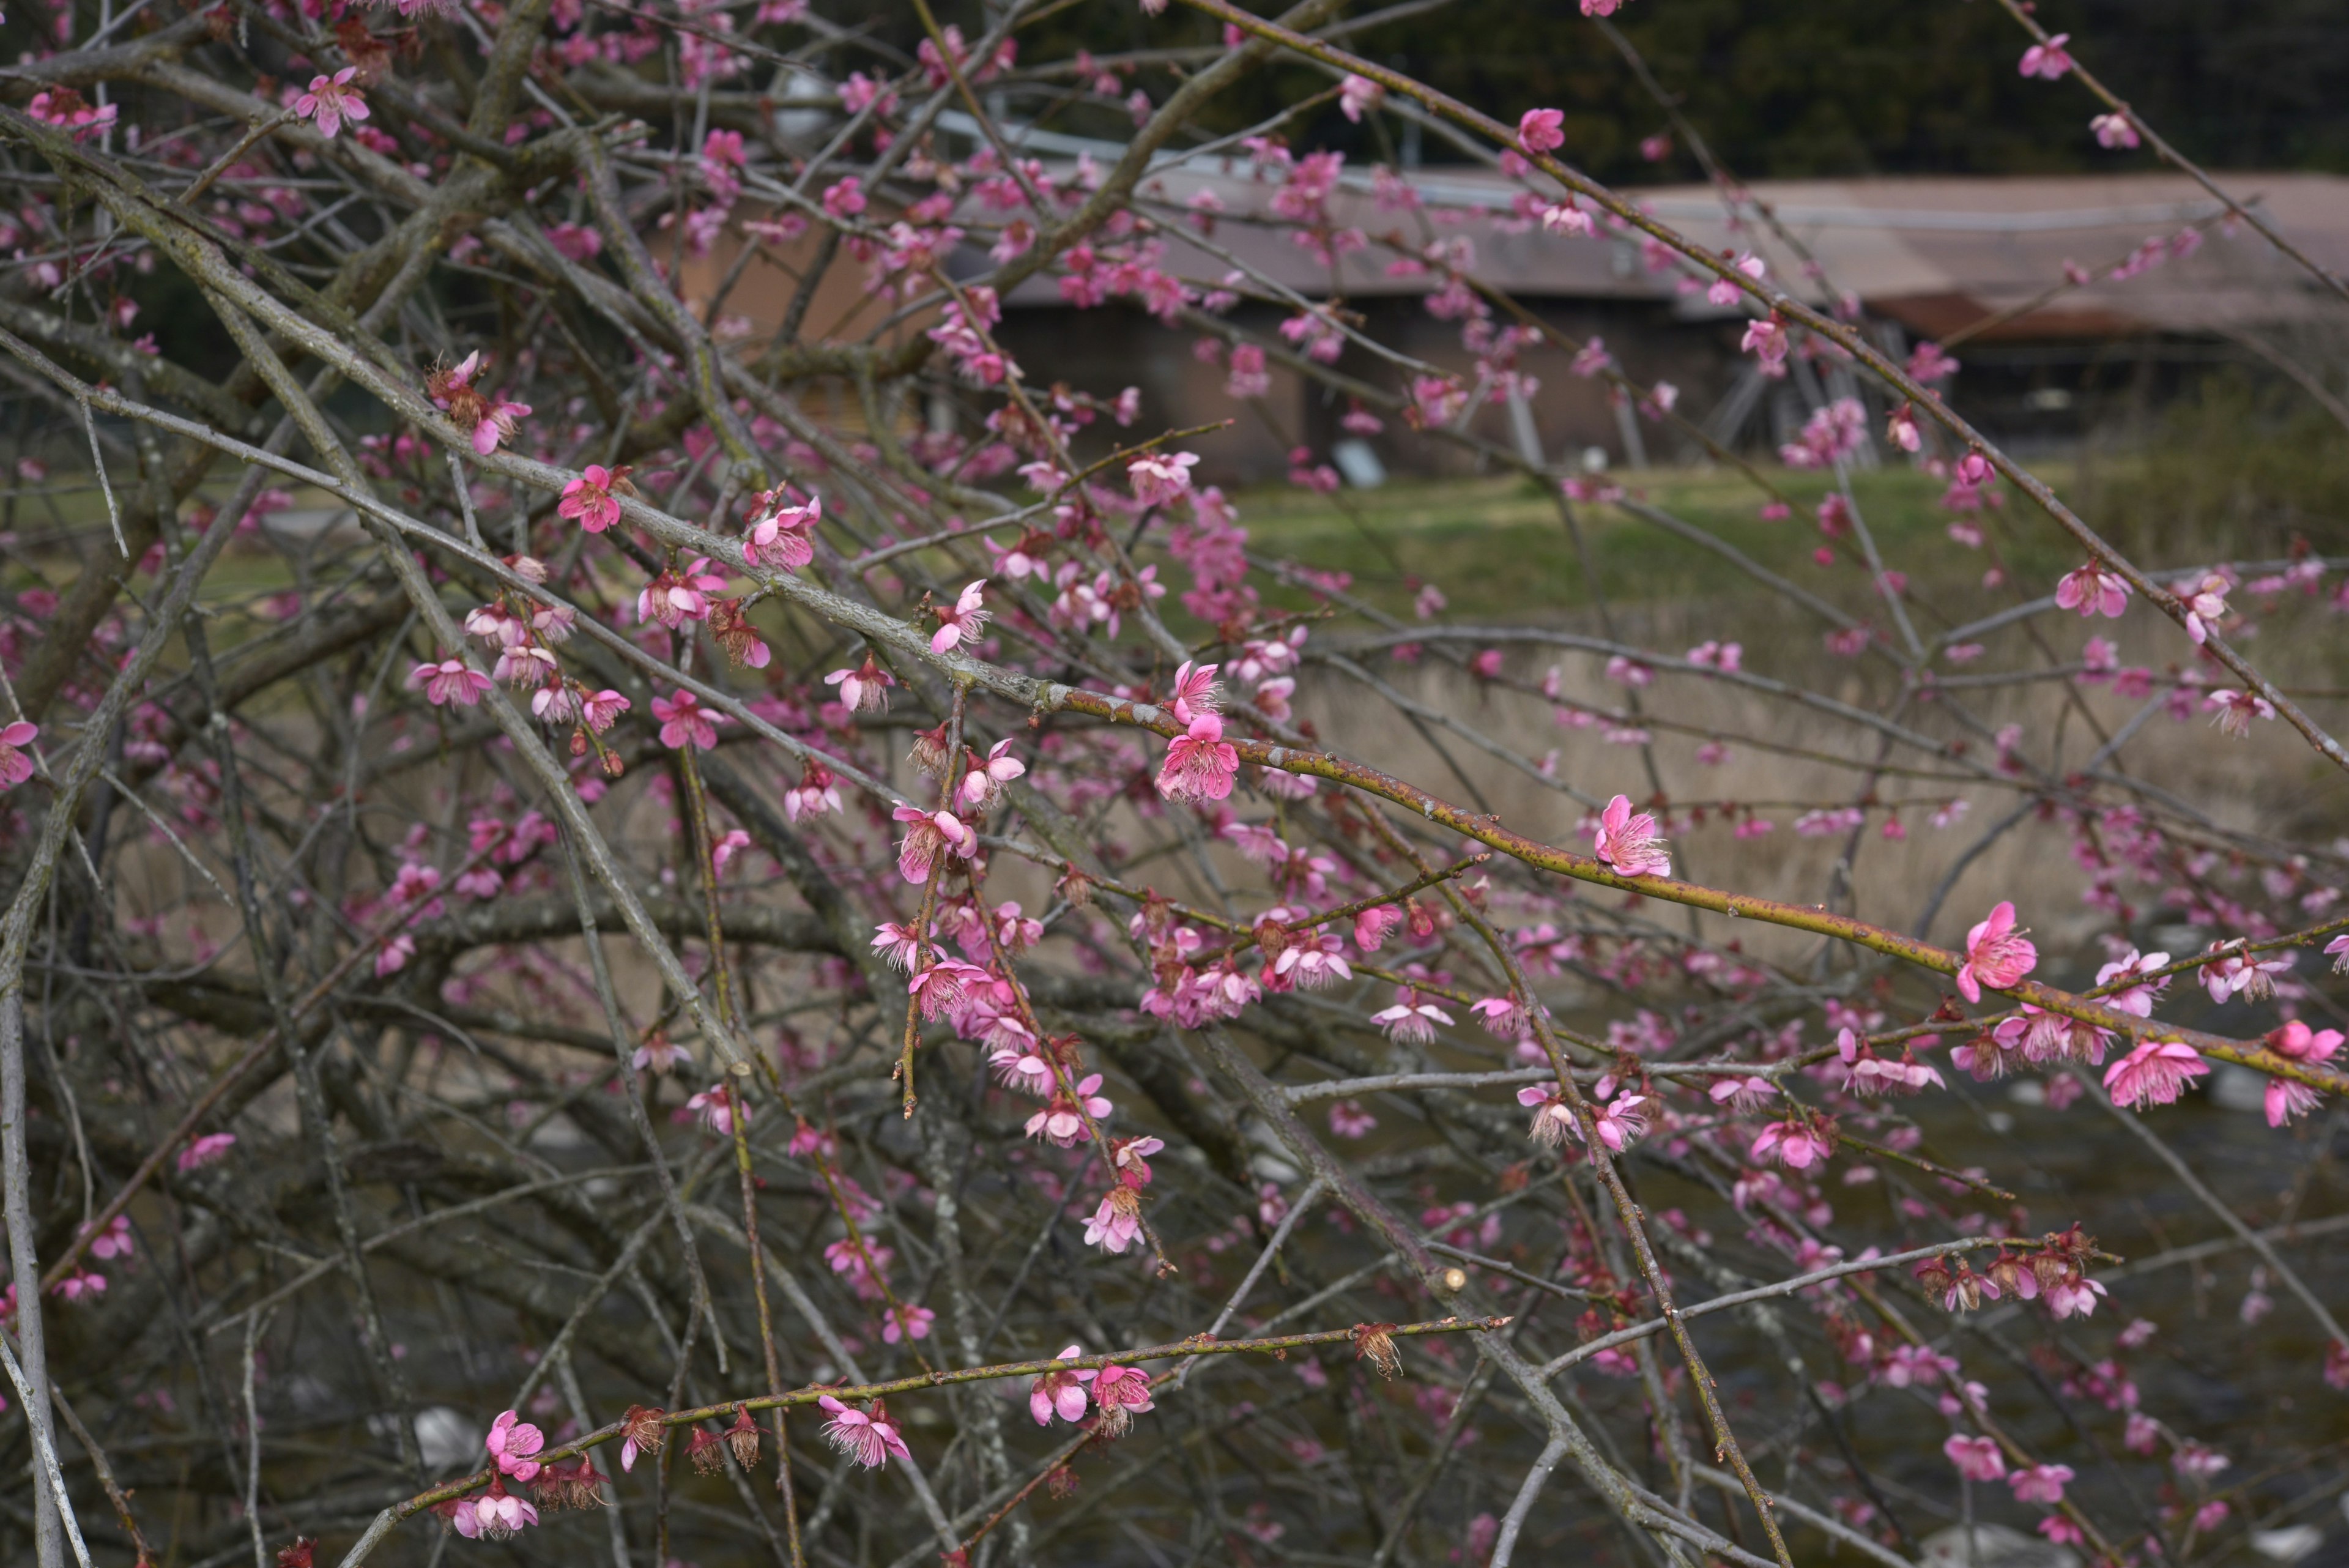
(1500, 548)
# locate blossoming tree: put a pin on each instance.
(920, 972)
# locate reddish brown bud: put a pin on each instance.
(296, 1555)
(706, 1449)
(1061, 1482)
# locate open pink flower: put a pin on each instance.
(866, 1436)
(1119, 1393)
(1793, 1143)
(495, 1515)
(1541, 130)
(2047, 61)
(1059, 1393)
(862, 689)
(449, 681)
(2236, 709)
(588, 499)
(209, 1150)
(1553, 1118)
(2206, 607)
(514, 1445)
(1200, 764)
(683, 721)
(1196, 691)
(1629, 841)
(1977, 1458)
(332, 101)
(1116, 1223)
(1160, 477)
(16, 767)
(2092, 590)
(987, 775)
(1997, 955)
(929, 834)
(960, 622)
(2040, 1483)
(2154, 1074)
(780, 535)
(2114, 131)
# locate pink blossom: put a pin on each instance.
(906, 1322)
(1119, 1393)
(714, 1108)
(1357, 95)
(1059, 1393)
(1742, 1095)
(209, 1150)
(603, 710)
(393, 956)
(781, 535)
(986, 778)
(1503, 1016)
(332, 101)
(16, 767)
(1196, 691)
(674, 598)
(1062, 1122)
(1901, 431)
(1311, 962)
(1411, 1024)
(2114, 131)
(1997, 955)
(1621, 1120)
(1553, 1118)
(2091, 589)
(1116, 1223)
(683, 721)
(1541, 130)
(1766, 340)
(1200, 764)
(2047, 61)
(2136, 995)
(114, 1241)
(959, 622)
(1977, 1458)
(927, 836)
(514, 1445)
(2154, 1074)
(1158, 478)
(2040, 1483)
(1629, 843)
(79, 1287)
(495, 1515)
(862, 689)
(449, 681)
(2206, 607)
(866, 1436)
(2236, 709)
(940, 989)
(1372, 925)
(1793, 1143)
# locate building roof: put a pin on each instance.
(1935, 252)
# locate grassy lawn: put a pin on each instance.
(1499, 547)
